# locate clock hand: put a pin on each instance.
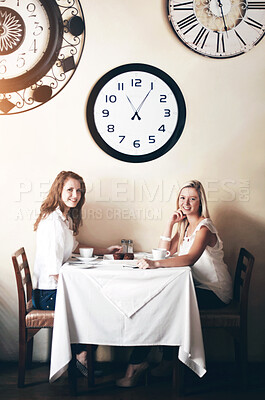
(221, 7)
(140, 106)
(134, 109)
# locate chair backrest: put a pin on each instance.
(243, 273)
(23, 278)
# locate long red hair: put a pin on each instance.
(54, 200)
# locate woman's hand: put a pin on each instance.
(113, 249)
(177, 216)
(55, 277)
(146, 264)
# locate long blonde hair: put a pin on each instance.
(203, 210)
(54, 200)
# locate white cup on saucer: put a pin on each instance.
(160, 254)
(86, 252)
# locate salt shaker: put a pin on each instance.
(124, 246)
(130, 246)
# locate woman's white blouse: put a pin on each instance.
(210, 272)
(55, 244)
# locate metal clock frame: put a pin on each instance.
(49, 57)
(53, 57)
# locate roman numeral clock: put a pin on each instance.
(41, 42)
(218, 28)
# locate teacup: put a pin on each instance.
(86, 252)
(160, 254)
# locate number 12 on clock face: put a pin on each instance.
(136, 113)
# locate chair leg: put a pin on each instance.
(241, 356)
(178, 373)
(29, 353)
(72, 373)
(237, 351)
(244, 356)
(22, 358)
(90, 365)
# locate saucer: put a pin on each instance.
(85, 259)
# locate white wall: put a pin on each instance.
(222, 145)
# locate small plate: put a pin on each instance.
(84, 259)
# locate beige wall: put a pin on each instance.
(222, 145)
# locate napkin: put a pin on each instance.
(141, 286)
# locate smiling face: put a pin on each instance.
(71, 194)
(189, 201)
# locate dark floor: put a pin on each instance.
(219, 383)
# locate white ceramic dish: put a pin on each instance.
(84, 259)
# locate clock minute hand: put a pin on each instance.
(141, 104)
(221, 7)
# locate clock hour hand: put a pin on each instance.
(134, 109)
(221, 8)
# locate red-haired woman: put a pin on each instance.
(57, 225)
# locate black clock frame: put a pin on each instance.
(177, 131)
(49, 57)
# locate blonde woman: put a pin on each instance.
(196, 243)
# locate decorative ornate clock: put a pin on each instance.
(41, 42)
(136, 113)
(218, 28)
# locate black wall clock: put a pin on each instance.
(136, 113)
(218, 28)
(41, 42)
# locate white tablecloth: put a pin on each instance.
(111, 305)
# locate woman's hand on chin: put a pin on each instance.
(177, 216)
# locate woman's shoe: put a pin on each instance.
(164, 369)
(133, 380)
(82, 368)
(84, 371)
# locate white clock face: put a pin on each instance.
(136, 96)
(24, 36)
(136, 112)
(218, 28)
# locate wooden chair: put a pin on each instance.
(30, 320)
(233, 318)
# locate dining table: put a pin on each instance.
(113, 303)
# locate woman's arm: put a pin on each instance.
(98, 251)
(108, 250)
(166, 242)
(202, 239)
